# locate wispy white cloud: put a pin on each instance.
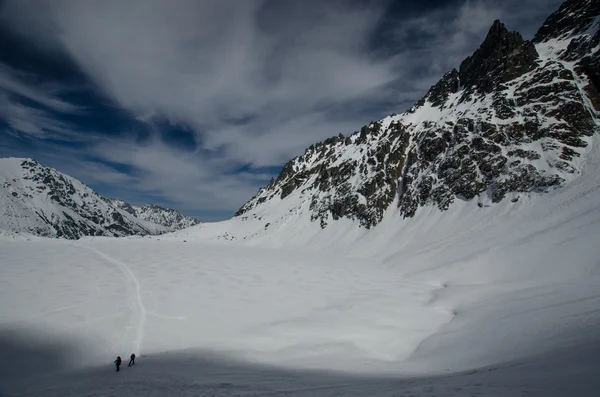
(190, 181)
(28, 120)
(96, 172)
(207, 63)
(19, 83)
(38, 117)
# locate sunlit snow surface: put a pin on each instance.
(501, 300)
(494, 300)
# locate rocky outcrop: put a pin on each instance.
(577, 23)
(572, 20)
(511, 120)
(360, 188)
(501, 58)
(167, 217)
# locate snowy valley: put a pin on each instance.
(497, 303)
(450, 250)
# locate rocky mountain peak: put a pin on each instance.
(502, 57)
(513, 120)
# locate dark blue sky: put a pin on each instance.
(196, 104)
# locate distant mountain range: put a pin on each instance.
(156, 214)
(515, 119)
(42, 201)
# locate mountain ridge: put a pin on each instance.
(155, 213)
(515, 118)
(43, 201)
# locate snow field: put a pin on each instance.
(516, 278)
(271, 306)
(501, 301)
(444, 292)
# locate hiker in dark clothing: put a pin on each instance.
(131, 360)
(118, 362)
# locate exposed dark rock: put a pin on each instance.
(509, 121)
(439, 93)
(502, 57)
(573, 17)
(525, 154)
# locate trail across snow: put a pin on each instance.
(137, 346)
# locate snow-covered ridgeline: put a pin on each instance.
(42, 201)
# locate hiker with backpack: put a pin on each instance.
(118, 362)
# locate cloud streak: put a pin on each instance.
(205, 64)
(29, 108)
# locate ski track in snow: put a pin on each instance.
(137, 345)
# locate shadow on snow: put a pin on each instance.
(32, 367)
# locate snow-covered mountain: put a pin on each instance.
(40, 200)
(164, 216)
(515, 119)
(167, 217)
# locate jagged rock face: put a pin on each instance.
(511, 120)
(40, 200)
(355, 177)
(573, 18)
(502, 57)
(120, 204)
(164, 216)
(438, 94)
(167, 217)
(577, 24)
(522, 108)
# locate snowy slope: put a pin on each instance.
(42, 201)
(204, 374)
(515, 120)
(504, 302)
